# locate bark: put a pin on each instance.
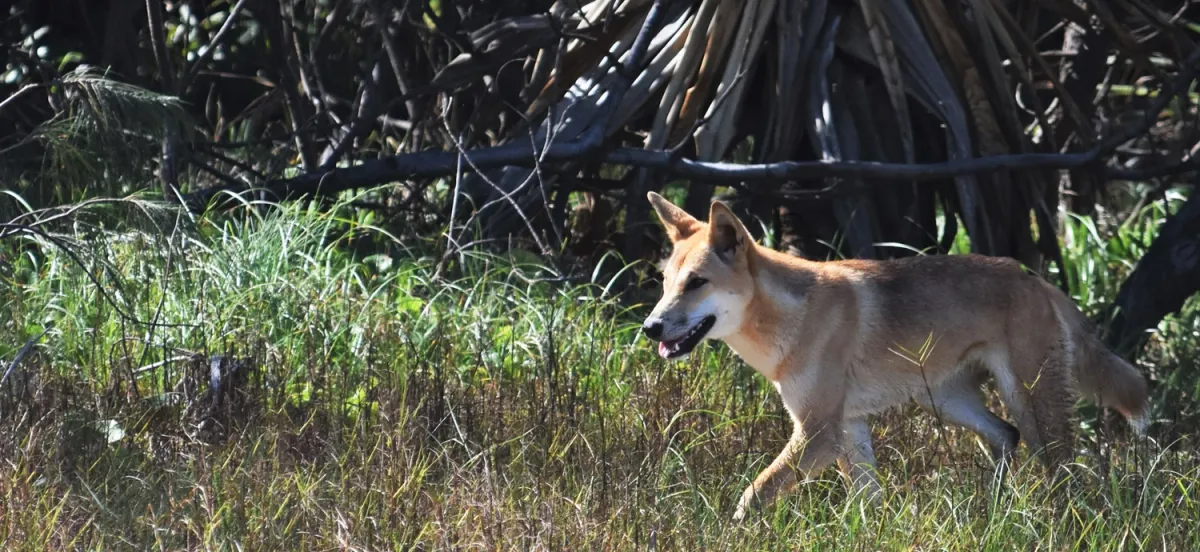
(1161, 283)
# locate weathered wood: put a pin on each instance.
(1161, 283)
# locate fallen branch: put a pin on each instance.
(432, 164)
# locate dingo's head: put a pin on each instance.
(706, 284)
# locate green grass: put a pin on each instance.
(501, 408)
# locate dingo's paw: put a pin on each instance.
(748, 503)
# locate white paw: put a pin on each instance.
(745, 504)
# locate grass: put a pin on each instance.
(501, 408)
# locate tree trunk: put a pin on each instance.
(1161, 283)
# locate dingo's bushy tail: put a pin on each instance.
(1103, 376)
(1112, 381)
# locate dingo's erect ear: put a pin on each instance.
(725, 231)
(678, 223)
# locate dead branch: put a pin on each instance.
(589, 146)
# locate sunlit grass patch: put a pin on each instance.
(505, 407)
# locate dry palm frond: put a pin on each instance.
(573, 107)
(889, 67)
(714, 137)
(98, 110)
(697, 97)
(991, 139)
(793, 44)
(104, 126)
(888, 80)
(683, 74)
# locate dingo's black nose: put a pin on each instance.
(653, 330)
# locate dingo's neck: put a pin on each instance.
(780, 283)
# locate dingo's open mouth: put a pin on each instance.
(675, 348)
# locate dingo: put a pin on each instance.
(831, 336)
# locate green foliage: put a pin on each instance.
(1099, 258)
(502, 408)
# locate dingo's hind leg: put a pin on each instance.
(960, 401)
(857, 461)
(1039, 396)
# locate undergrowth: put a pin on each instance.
(288, 379)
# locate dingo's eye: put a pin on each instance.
(694, 283)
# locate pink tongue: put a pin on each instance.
(663, 350)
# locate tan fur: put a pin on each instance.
(847, 339)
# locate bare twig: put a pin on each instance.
(168, 172)
(211, 47)
(210, 170)
(509, 197)
(279, 30)
(368, 108)
(154, 17)
(21, 92)
(392, 53)
(240, 165)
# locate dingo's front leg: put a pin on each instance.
(811, 452)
